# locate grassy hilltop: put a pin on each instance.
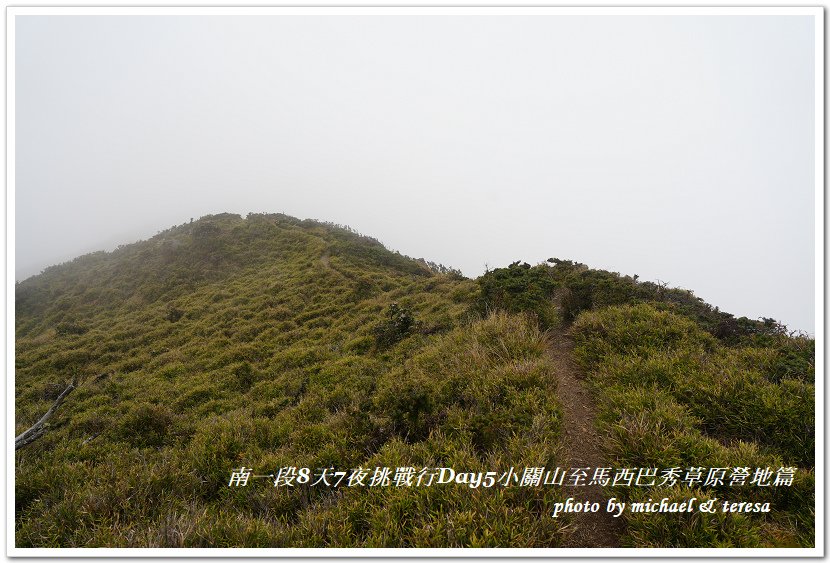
(271, 342)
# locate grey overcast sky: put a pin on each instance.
(678, 148)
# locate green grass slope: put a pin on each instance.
(271, 342)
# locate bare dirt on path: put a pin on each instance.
(324, 260)
(581, 448)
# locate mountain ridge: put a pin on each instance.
(272, 342)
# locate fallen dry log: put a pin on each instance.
(38, 428)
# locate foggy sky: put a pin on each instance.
(678, 148)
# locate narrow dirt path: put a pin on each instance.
(581, 448)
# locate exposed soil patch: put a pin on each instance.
(581, 448)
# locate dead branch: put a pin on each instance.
(91, 438)
(38, 428)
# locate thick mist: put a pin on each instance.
(677, 148)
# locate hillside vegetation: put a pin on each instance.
(271, 342)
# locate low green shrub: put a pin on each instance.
(399, 324)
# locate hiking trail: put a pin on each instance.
(581, 448)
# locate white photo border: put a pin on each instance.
(818, 551)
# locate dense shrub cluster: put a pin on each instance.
(520, 288)
(559, 290)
